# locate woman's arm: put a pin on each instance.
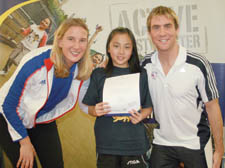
(27, 153)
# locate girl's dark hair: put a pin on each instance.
(133, 62)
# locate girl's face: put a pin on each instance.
(120, 49)
(74, 44)
(45, 24)
(97, 59)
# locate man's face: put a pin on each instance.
(163, 33)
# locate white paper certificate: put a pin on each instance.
(122, 93)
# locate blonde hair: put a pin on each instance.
(84, 64)
(160, 11)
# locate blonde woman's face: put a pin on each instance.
(74, 44)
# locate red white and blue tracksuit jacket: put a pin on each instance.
(27, 91)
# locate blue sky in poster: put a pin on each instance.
(5, 5)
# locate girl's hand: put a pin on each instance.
(102, 109)
(98, 28)
(27, 153)
(135, 117)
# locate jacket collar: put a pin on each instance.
(48, 63)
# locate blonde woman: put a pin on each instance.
(45, 86)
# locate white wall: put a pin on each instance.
(202, 22)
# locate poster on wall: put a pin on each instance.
(201, 29)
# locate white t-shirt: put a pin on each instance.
(178, 98)
(32, 40)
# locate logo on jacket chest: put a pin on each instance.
(42, 82)
(154, 74)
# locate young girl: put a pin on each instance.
(35, 36)
(119, 143)
(45, 86)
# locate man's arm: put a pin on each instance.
(216, 123)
